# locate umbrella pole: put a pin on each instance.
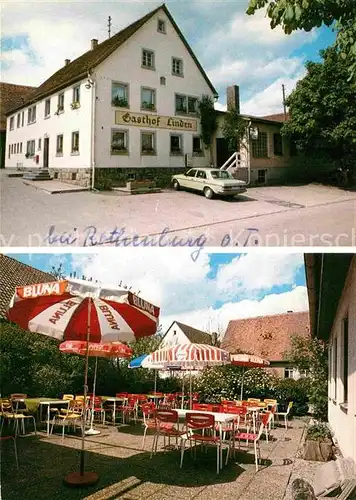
(242, 384)
(81, 478)
(155, 381)
(182, 404)
(91, 431)
(190, 389)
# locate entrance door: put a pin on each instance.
(45, 152)
(222, 152)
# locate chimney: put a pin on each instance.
(66, 62)
(94, 43)
(289, 312)
(233, 97)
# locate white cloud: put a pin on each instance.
(185, 291)
(210, 319)
(234, 48)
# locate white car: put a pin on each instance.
(210, 181)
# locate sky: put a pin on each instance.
(206, 293)
(233, 48)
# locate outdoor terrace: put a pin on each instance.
(126, 471)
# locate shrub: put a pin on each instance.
(318, 432)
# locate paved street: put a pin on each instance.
(310, 215)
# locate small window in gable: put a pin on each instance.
(161, 26)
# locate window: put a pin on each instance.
(148, 59)
(119, 142)
(277, 144)
(176, 144)
(186, 104)
(31, 115)
(120, 94)
(22, 118)
(197, 145)
(20, 147)
(148, 143)
(177, 66)
(30, 148)
(60, 105)
(39, 144)
(12, 120)
(18, 120)
(181, 103)
(192, 104)
(261, 176)
(162, 80)
(76, 94)
(191, 173)
(161, 26)
(259, 146)
(47, 107)
(148, 98)
(345, 346)
(75, 142)
(59, 145)
(201, 174)
(335, 368)
(288, 373)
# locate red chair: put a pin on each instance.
(122, 395)
(202, 407)
(96, 408)
(129, 409)
(253, 437)
(194, 423)
(167, 425)
(149, 419)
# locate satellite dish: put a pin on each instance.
(254, 133)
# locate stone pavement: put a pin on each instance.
(54, 187)
(126, 471)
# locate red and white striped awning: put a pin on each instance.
(68, 309)
(190, 356)
(248, 360)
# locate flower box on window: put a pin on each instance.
(148, 105)
(120, 102)
(75, 105)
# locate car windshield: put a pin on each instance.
(220, 174)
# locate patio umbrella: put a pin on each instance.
(247, 361)
(102, 350)
(145, 361)
(81, 310)
(190, 357)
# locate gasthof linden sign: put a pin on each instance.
(155, 121)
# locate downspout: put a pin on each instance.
(92, 134)
(320, 291)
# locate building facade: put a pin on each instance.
(331, 281)
(179, 333)
(129, 102)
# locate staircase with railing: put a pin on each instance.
(239, 166)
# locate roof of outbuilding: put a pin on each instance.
(80, 67)
(194, 335)
(14, 273)
(266, 336)
(12, 95)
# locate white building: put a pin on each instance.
(130, 101)
(331, 281)
(179, 333)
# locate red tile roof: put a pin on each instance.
(11, 96)
(266, 336)
(14, 273)
(80, 67)
(279, 117)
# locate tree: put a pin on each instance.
(311, 355)
(234, 129)
(322, 112)
(292, 15)
(208, 122)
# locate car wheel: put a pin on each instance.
(208, 193)
(176, 185)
